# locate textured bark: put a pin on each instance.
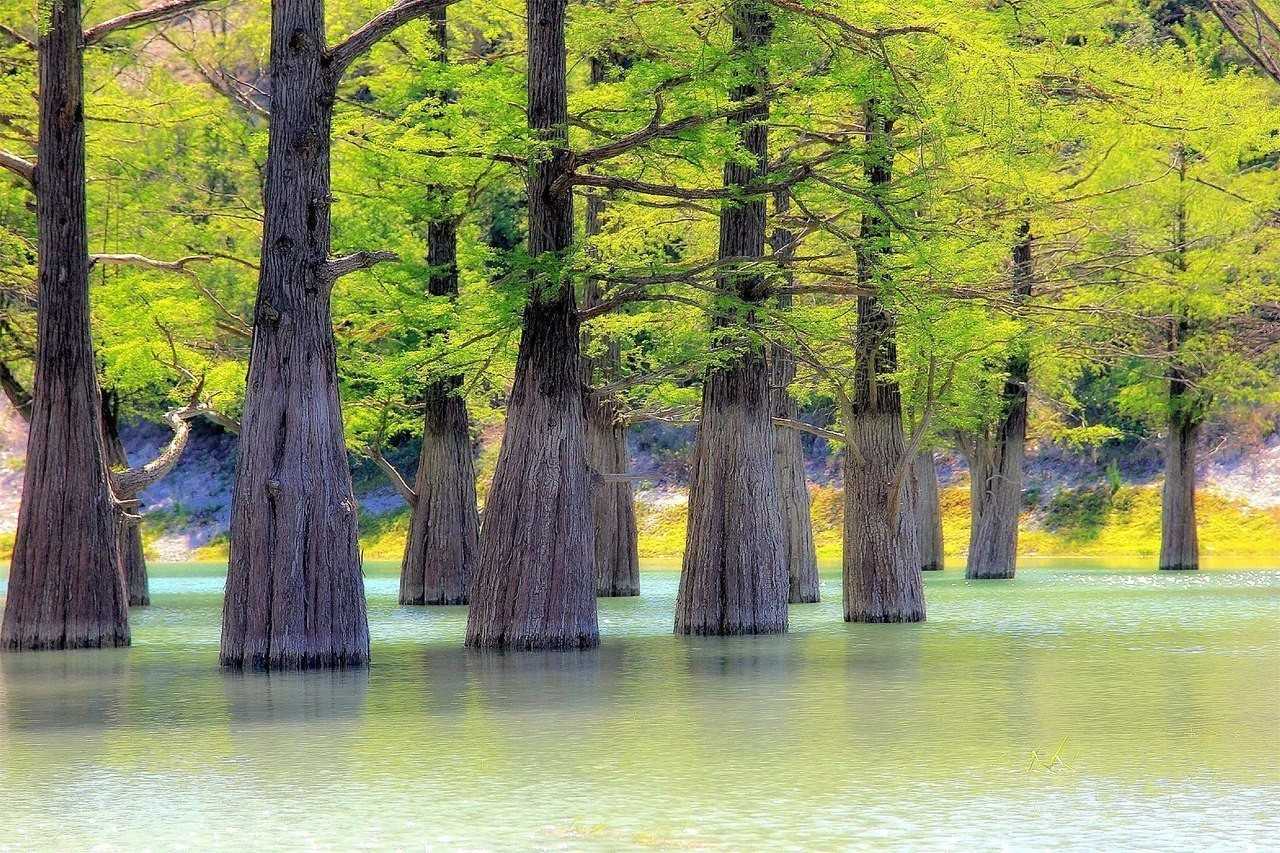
(928, 511)
(66, 588)
(997, 458)
(1179, 542)
(132, 559)
(788, 449)
(444, 529)
(295, 594)
(536, 577)
(612, 502)
(734, 577)
(882, 581)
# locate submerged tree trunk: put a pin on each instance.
(612, 501)
(295, 594)
(788, 449)
(882, 581)
(928, 511)
(536, 577)
(997, 457)
(132, 559)
(444, 528)
(1179, 541)
(734, 578)
(66, 588)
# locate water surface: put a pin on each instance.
(1078, 708)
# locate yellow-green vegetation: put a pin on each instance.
(1087, 522)
(1098, 521)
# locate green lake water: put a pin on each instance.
(1072, 708)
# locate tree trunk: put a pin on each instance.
(295, 594)
(444, 528)
(132, 559)
(612, 502)
(734, 578)
(1179, 543)
(66, 588)
(996, 477)
(788, 449)
(882, 581)
(536, 576)
(928, 511)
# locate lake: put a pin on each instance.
(1072, 708)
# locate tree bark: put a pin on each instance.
(444, 528)
(612, 501)
(734, 577)
(1179, 542)
(536, 577)
(882, 581)
(66, 588)
(132, 558)
(295, 594)
(928, 511)
(996, 470)
(788, 449)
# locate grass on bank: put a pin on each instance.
(1100, 521)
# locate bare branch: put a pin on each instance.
(374, 450)
(16, 37)
(129, 259)
(24, 169)
(336, 268)
(801, 426)
(129, 20)
(131, 482)
(397, 480)
(18, 396)
(341, 55)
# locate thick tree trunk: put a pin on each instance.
(444, 526)
(882, 581)
(295, 594)
(444, 529)
(734, 578)
(996, 466)
(536, 576)
(928, 511)
(66, 588)
(793, 491)
(132, 559)
(612, 502)
(788, 449)
(1179, 542)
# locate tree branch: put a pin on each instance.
(159, 12)
(18, 396)
(129, 259)
(801, 426)
(133, 481)
(341, 55)
(16, 37)
(336, 268)
(24, 169)
(397, 480)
